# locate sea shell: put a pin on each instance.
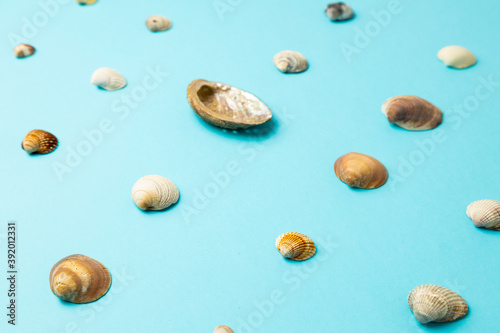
(158, 23)
(86, 2)
(290, 62)
(154, 193)
(412, 113)
(39, 142)
(108, 79)
(225, 106)
(295, 246)
(456, 57)
(79, 279)
(339, 11)
(485, 214)
(23, 50)
(429, 302)
(223, 329)
(360, 170)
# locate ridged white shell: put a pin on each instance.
(431, 303)
(290, 62)
(108, 79)
(339, 11)
(154, 193)
(456, 57)
(223, 329)
(23, 50)
(485, 214)
(157, 23)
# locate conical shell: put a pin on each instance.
(412, 113)
(79, 279)
(158, 23)
(86, 2)
(223, 329)
(295, 246)
(339, 11)
(485, 214)
(154, 193)
(108, 79)
(290, 62)
(456, 57)
(431, 303)
(225, 106)
(360, 170)
(23, 50)
(39, 142)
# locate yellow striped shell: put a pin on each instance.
(456, 57)
(431, 303)
(290, 62)
(108, 79)
(223, 329)
(23, 50)
(485, 214)
(295, 246)
(154, 193)
(157, 23)
(39, 142)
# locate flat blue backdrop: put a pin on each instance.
(211, 259)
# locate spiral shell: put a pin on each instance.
(223, 329)
(456, 57)
(39, 142)
(225, 106)
(154, 193)
(109, 79)
(79, 279)
(412, 113)
(290, 62)
(23, 50)
(86, 2)
(157, 23)
(295, 246)
(485, 214)
(339, 11)
(360, 170)
(431, 303)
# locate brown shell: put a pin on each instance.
(39, 142)
(23, 50)
(412, 113)
(295, 246)
(360, 170)
(431, 303)
(79, 279)
(225, 106)
(223, 329)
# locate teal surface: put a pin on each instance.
(211, 259)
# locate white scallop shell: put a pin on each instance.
(158, 23)
(456, 57)
(108, 79)
(485, 214)
(290, 62)
(154, 193)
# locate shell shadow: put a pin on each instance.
(345, 21)
(487, 231)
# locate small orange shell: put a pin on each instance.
(39, 142)
(360, 170)
(295, 246)
(23, 50)
(223, 329)
(79, 279)
(412, 113)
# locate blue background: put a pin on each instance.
(211, 260)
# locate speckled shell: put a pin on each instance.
(339, 11)
(431, 303)
(23, 50)
(157, 23)
(225, 106)
(485, 214)
(154, 193)
(223, 329)
(86, 2)
(295, 246)
(360, 170)
(456, 57)
(79, 279)
(39, 142)
(412, 113)
(108, 79)
(290, 62)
